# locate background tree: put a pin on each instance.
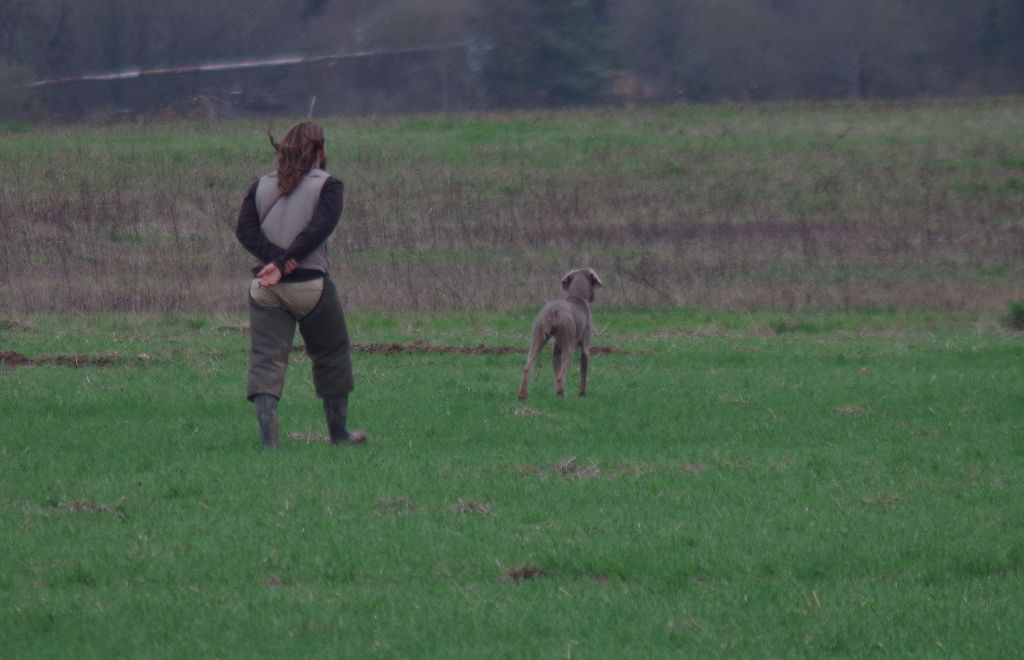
(553, 52)
(542, 52)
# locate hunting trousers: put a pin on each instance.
(271, 330)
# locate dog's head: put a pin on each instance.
(582, 282)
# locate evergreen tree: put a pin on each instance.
(542, 52)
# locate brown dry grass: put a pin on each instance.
(838, 206)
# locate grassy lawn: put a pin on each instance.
(758, 485)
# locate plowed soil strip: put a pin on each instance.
(16, 359)
(11, 358)
(479, 349)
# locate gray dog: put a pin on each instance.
(568, 321)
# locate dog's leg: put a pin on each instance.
(584, 363)
(565, 350)
(536, 345)
(563, 369)
(565, 344)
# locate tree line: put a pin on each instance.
(545, 53)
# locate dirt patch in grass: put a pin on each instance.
(567, 468)
(571, 468)
(12, 358)
(15, 359)
(523, 573)
(89, 506)
(471, 506)
(420, 346)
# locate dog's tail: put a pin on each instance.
(550, 322)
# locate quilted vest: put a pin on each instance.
(283, 217)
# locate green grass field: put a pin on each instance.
(766, 485)
(803, 437)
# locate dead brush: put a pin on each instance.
(842, 223)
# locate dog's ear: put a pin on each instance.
(567, 279)
(595, 282)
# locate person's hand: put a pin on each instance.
(269, 275)
(290, 266)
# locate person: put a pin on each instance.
(284, 221)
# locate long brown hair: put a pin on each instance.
(297, 154)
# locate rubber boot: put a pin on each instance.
(336, 412)
(266, 414)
